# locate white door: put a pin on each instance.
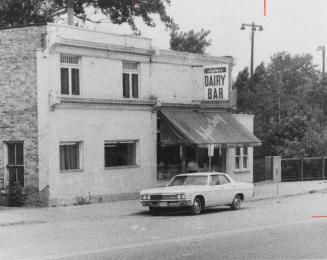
(216, 194)
(227, 187)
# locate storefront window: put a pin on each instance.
(218, 161)
(119, 154)
(176, 159)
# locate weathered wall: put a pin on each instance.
(93, 127)
(18, 99)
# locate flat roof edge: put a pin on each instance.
(22, 26)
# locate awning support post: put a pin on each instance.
(210, 163)
(182, 157)
(211, 149)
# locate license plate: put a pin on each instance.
(163, 204)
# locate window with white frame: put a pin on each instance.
(70, 156)
(122, 153)
(70, 75)
(241, 158)
(130, 79)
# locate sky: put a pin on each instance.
(294, 26)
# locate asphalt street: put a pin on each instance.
(290, 227)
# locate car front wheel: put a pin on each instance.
(236, 204)
(197, 206)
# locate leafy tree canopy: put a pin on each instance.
(22, 12)
(289, 103)
(191, 41)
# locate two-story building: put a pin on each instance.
(88, 116)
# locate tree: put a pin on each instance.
(194, 42)
(22, 12)
(242, 87)
(246, 88)
(289, 106)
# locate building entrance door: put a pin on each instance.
(15, 162)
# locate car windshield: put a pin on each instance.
(189, 180)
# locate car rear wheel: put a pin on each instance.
(236, 204)
(197, 206)
(154, 211)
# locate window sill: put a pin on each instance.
(70, 95)
(242, 171)
(75, 100)
(122, 167)
(71, 171)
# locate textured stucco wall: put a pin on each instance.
(93, 127)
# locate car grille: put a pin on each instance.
(163, 197)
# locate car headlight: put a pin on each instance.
(181, 196)
(145, 196)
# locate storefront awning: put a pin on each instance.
(203, 128)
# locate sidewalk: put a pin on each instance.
(266, 190)
(111, 210)
(24, 216)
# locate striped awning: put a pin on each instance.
(203, 128)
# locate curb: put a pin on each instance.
(288, 195)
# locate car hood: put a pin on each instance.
(175, 189)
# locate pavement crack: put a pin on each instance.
(21, 223)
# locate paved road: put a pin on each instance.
(278, 228)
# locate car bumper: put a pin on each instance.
(166, 204)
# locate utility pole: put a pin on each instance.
(323, 49)
(70, 12)
(253, 28)
(133, 7)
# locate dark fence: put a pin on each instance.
(301, 169)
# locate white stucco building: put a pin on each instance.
(113, 115)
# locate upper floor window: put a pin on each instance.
(241, 158)
(70, 75)
(130, 80)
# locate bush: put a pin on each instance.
(15, 195)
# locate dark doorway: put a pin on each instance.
(218, 161)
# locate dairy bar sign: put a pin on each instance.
(216, 82)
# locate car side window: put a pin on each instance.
(214, 180)
(222, 179)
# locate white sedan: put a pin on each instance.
(197, 191)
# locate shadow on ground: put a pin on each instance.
(174, 212)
